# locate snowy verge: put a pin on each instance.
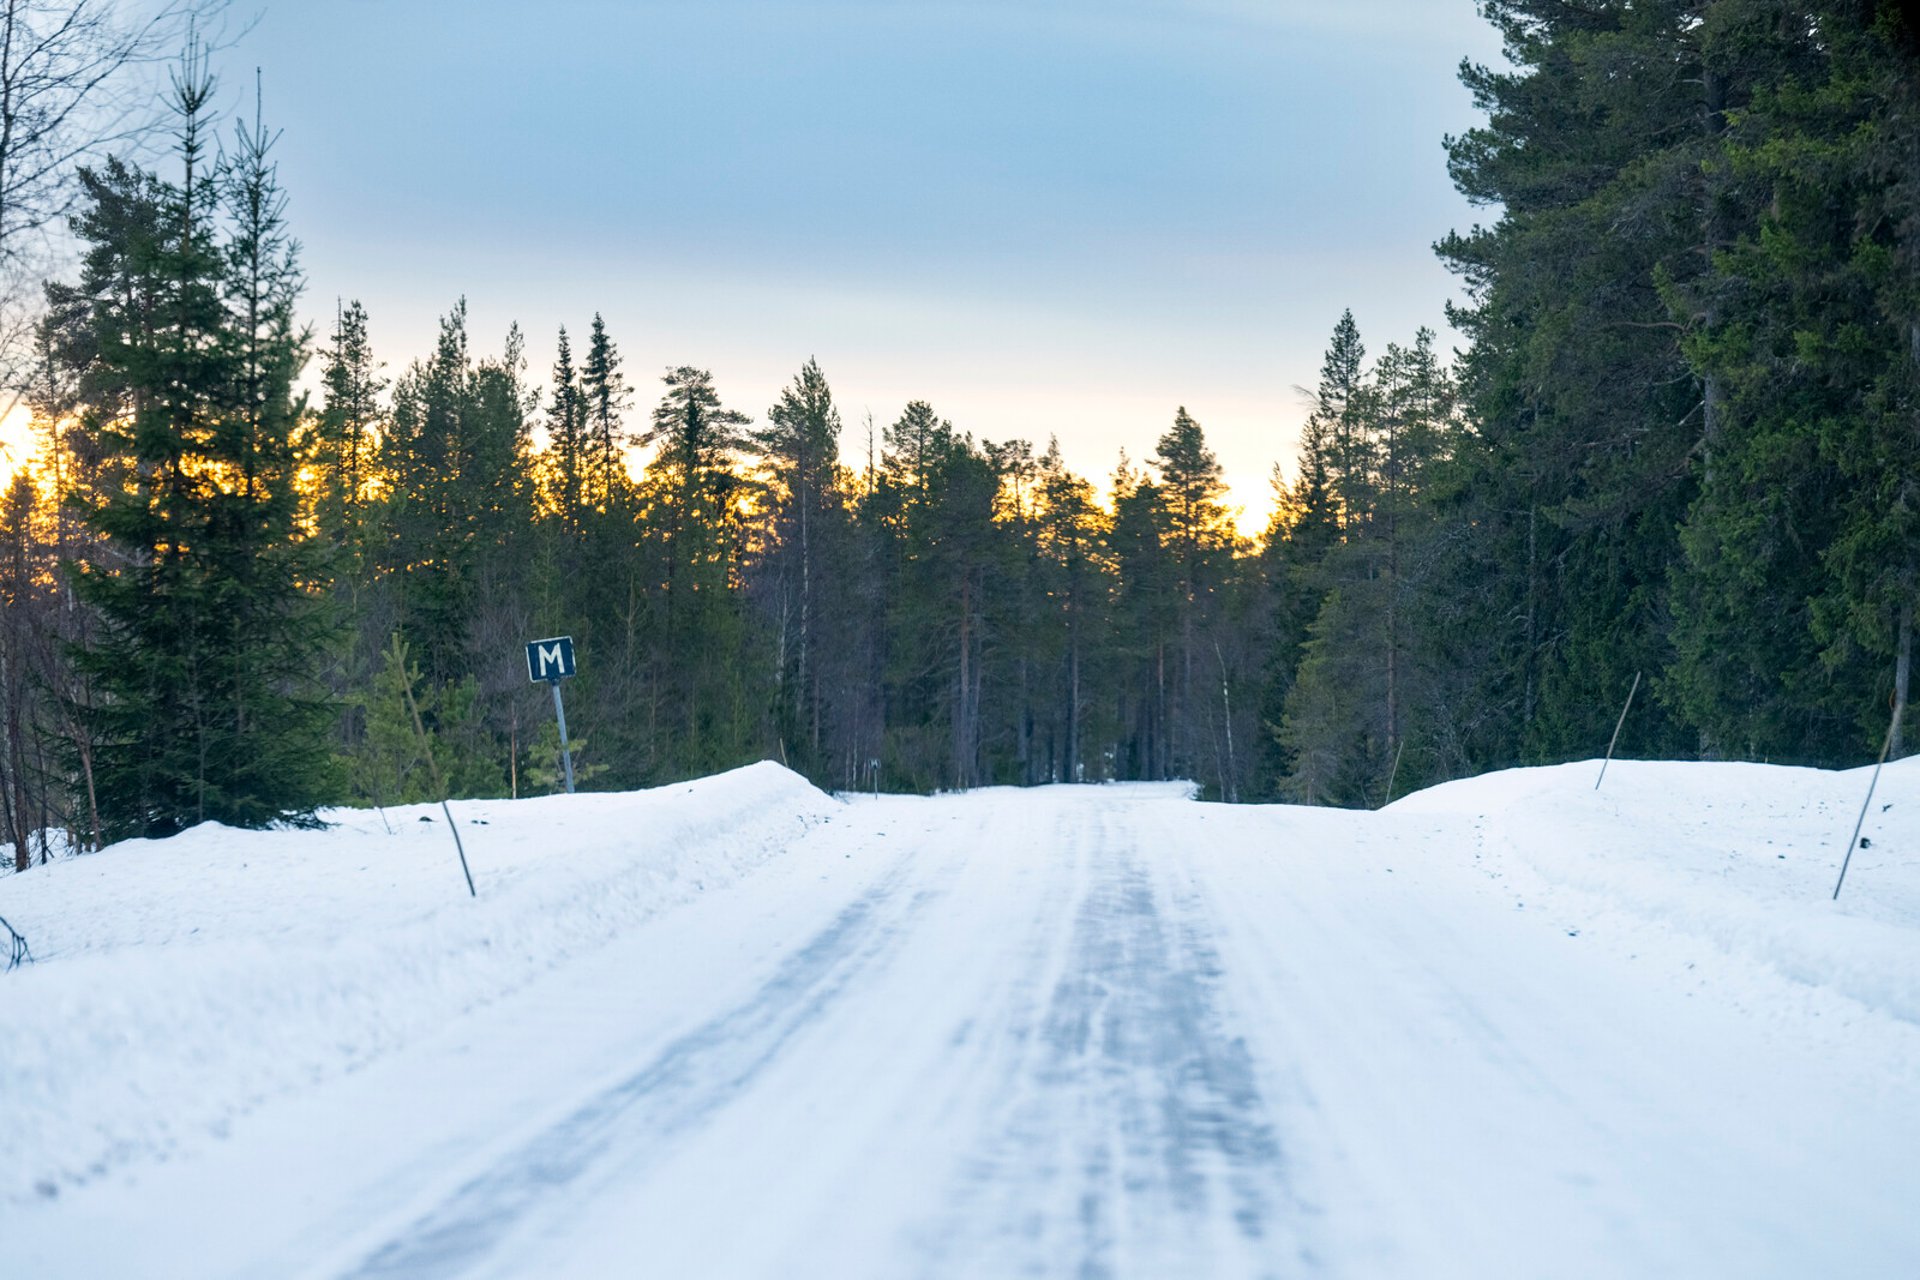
(1741, 858)
(182, 981)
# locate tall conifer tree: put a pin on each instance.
(605, 399)
(349, 426)
(211, 634)
(800, 442)
(568, 444)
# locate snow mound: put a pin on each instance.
(1740, 857)
(182, 981)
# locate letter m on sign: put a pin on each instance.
(550, 660)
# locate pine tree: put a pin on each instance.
(568, 447)
(695, 433)
(800, 444)
(1413, 401)
(211, 635)
(1867, 105)
(348, 429)
(604, 397)
(705, 700)
(935, 504)
(697, 441)
(1340, 421)
(1146, 626)
(1200, 539)
(404, 761)
(1352, 600)
(460, 501)
(1070, 536)
(913, 442)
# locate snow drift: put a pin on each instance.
(1739, 858)
(182, 981)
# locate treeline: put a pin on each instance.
(1683, 442)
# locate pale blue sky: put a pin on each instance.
(1058, 216)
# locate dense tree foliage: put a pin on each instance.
(1688, 449)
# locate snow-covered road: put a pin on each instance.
(1075, 1032)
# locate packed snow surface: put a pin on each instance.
(1512, 1026)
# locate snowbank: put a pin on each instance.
(1739, 857)
(182, 981)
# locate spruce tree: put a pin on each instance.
(1341, 419)
(1867, 104)
(568, 446)
(1586, 412)
(604, 399)
(459, 501)
(404, 761)
(201, 675)
(1776, 326)
(348, 429)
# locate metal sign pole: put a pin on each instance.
(552, 660)
(566, 752)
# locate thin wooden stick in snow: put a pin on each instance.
(1393, 773)
(17, 950)
(1618, 725)
(1859, 822)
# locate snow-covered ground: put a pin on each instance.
(738, 1028)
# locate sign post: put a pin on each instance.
(551, 660)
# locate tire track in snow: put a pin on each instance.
(688, 1081)
(1136, 1140)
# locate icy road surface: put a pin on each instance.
(1074, 1032)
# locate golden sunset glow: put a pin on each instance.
(17, 443)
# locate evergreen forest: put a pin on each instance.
(1677, 450)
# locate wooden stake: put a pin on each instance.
(459, 848)
(1868, 802)
(1394, 772)
(433, 766)
(1618, 725)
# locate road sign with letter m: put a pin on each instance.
(550, 660)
